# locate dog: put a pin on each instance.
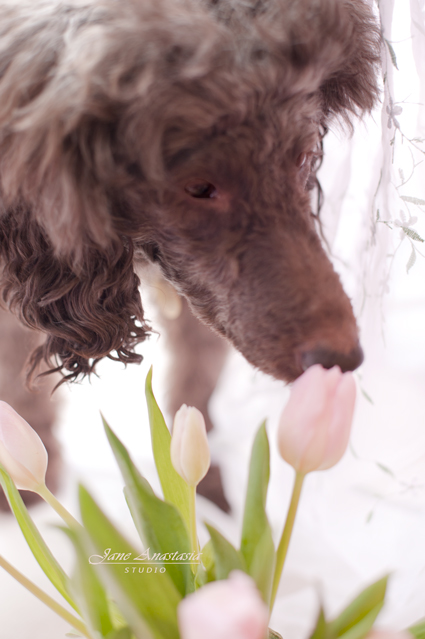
(183, 134)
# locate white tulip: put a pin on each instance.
(190, 453)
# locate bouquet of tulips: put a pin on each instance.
(172, 588)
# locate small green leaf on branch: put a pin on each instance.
(392, 53)
(412, 234)
(413, 200)
(412, 259)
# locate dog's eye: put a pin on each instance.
(200, 189)
(301, 160)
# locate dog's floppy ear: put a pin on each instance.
(352, 84)
(65, 267)
(55, 140)
(88, 313)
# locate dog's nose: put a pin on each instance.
(329, 358)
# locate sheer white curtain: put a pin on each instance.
(375, 181)
(366, 517)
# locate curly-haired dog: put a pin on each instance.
(182, 133)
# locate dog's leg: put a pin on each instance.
(36, 407)
(197, 358)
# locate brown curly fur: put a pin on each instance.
(107, 111)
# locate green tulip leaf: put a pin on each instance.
(364, 626)
(208, 560)
(174, 488)
(148, 600)
(201, 577)
(118, 620)
(263, 564)
(319, 631)
(226, 557)
(206, 571)
(418, 630)
(159, 524)
(88, 590)
(274, 635)
(362, 611)
(256, 542)
(35, 541)
(122, 633)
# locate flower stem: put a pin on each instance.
(70, 521)
(286, 535)
(45, 598)
(192, 518)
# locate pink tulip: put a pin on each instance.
(22, 453)
(228, 609)
(315, 424)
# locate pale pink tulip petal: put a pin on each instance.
(293, 439)
(22, 452)
(315, 424)
(340, 424)
(227, 609)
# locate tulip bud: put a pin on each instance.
(315, 424)
(226, 609)
(190, 453)
(22, 453)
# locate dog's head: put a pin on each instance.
(184, 133)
